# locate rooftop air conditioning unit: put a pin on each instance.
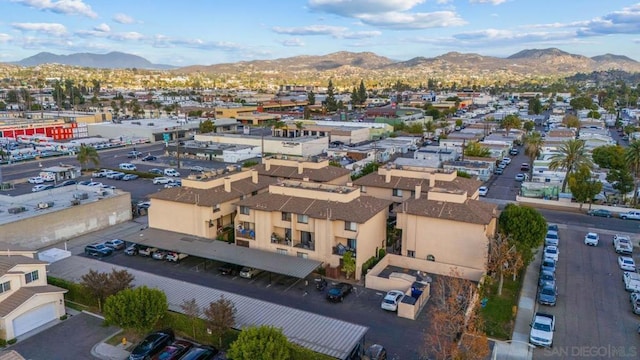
(81, 196)
(16, 210)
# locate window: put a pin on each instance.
(4, 287)
(286, 216)
(397, 192)
(303, 219)
(216, 207)
(350, 226)
(32, 276)
(363, 189)
(431, 257)
(254, 193)
(281, 251)
(411, 253)
(351, 244)
(244, 210)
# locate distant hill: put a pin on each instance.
(112, 60)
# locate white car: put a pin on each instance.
(171, 172)
(591, 239)
(551, 238)
(249, 272)
(626, 263)
(41, 187)
(391, 300)
(483, 190)
(520, 177)
(161, 180)
(551, 252)
(95, 184)
(506, 160)
(36, 180)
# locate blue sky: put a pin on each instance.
(219, 31)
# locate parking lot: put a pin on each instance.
(593, 312)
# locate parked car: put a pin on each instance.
(143, 204)
(600, 212)
(548, 264)
(132, 250)
(67, 183)
(547, 278)
(626, 263)
(249, 272)
(506, 160)
(134, 154)
(161, 180)
(155, 171)
(547, 295)
(622, 244)
(631, 281)
(551, 238)
(551, 252)
(630, 215)
(115, 244)
(339, 291)
(175, 256)
(171, 172)
(197, 169)
(127, 166)
(100, 173)
(391, 300)
(514, 151)
(159, 255)
(149, 158)
(552, 227)
(498, 171)
(174, 350)
(200, 353)
(146, 250)
(152, 344)
(483, 190)
(98, 250)
(591, 239)
(230, 269)
(525, 167)
(41, 187)
(128, 177)
(519, 177)
(115, 175)
(542, 329)
(36, 180)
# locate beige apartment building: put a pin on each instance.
(315, 221)
(312, 169)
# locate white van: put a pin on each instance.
(171, 172)
(127, 166)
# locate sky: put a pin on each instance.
(205, 32)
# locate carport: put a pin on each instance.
(222, 251)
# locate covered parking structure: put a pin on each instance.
(222, 251)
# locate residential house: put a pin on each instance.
(315, 221)
(476, 167)
(26, 300)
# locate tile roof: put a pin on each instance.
(359, 210)
(325, 174)
(460, 183)
(23, 294)
(9, 262)
(405, 183)
(11, 355)
(213, 196)
(471, 211)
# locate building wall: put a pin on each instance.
(52, 227)
(450, 242)
(285, 146)
(189, 218)
(6, 324)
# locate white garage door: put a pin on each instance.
(34, 318)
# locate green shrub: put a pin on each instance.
(249, 163)
(3, 342)
(381, 253)
(63, 317)
(12, 341)
(298, 352)
(76, 293)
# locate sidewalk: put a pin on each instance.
(518, 348)
(105, 351)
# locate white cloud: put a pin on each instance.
(126, 36)
(294, 42)
(123, 19)
(625, 21)
(4, 38)
(498, 37)
(353, 8)
(44, 28)
(443, 2)
(397, 20)
(337, 32)
(102, 28)
(67, 7)
(493, 2)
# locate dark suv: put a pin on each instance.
(200, 353)
(152, 344)
(98, 249)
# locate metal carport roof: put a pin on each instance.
(219, 250)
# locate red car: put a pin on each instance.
(173, 351)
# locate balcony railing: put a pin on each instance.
(305, 245)
(277, 239)
(246, 233)
(341, 250)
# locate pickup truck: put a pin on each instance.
(101, 173)
(630, 215)
(146, 250)
(175, 256)
(622, 244)
(631, 281)
(542, 328)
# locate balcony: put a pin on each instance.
(277, 239)
(342, 249)
(308, 245)
(246, 233)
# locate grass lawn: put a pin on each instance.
(499, 314)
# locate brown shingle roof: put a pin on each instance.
(460, 183)
(9, 262)
(11, 355)
(359, 210)
(213, 196)
(471, 211)
(325, 174)
(405, 183)
(23, 294)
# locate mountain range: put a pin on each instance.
(544, 62)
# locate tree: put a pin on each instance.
(535, 106)
(583, 187)
(191, 309)
(455, 329)
(87, 154)
(103, 285)
(632, 157)
(504, 259)
(260, 343)
(621, 180)
(12, 97)
(362, 93)
(571, 121)
(348, 264)
(528, 126)
(511, 122)
(572, 155)
(594, 114)
(609, 156)
(415, 128)
(137, 309)
(311, 98)
(533, 145)
(429, 128)
(580, 103)
(330, 100)
(525, 226)
(206, 127)
(220, 316)
(476, 150)
(366, 170)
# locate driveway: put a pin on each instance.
(70, 339)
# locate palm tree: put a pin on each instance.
(87, 154)
(572, 155)
(511, 122)
(533, 145)
(632, 157)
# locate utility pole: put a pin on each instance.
(177, 149)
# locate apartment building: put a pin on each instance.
(315, 221)
(314, 169)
